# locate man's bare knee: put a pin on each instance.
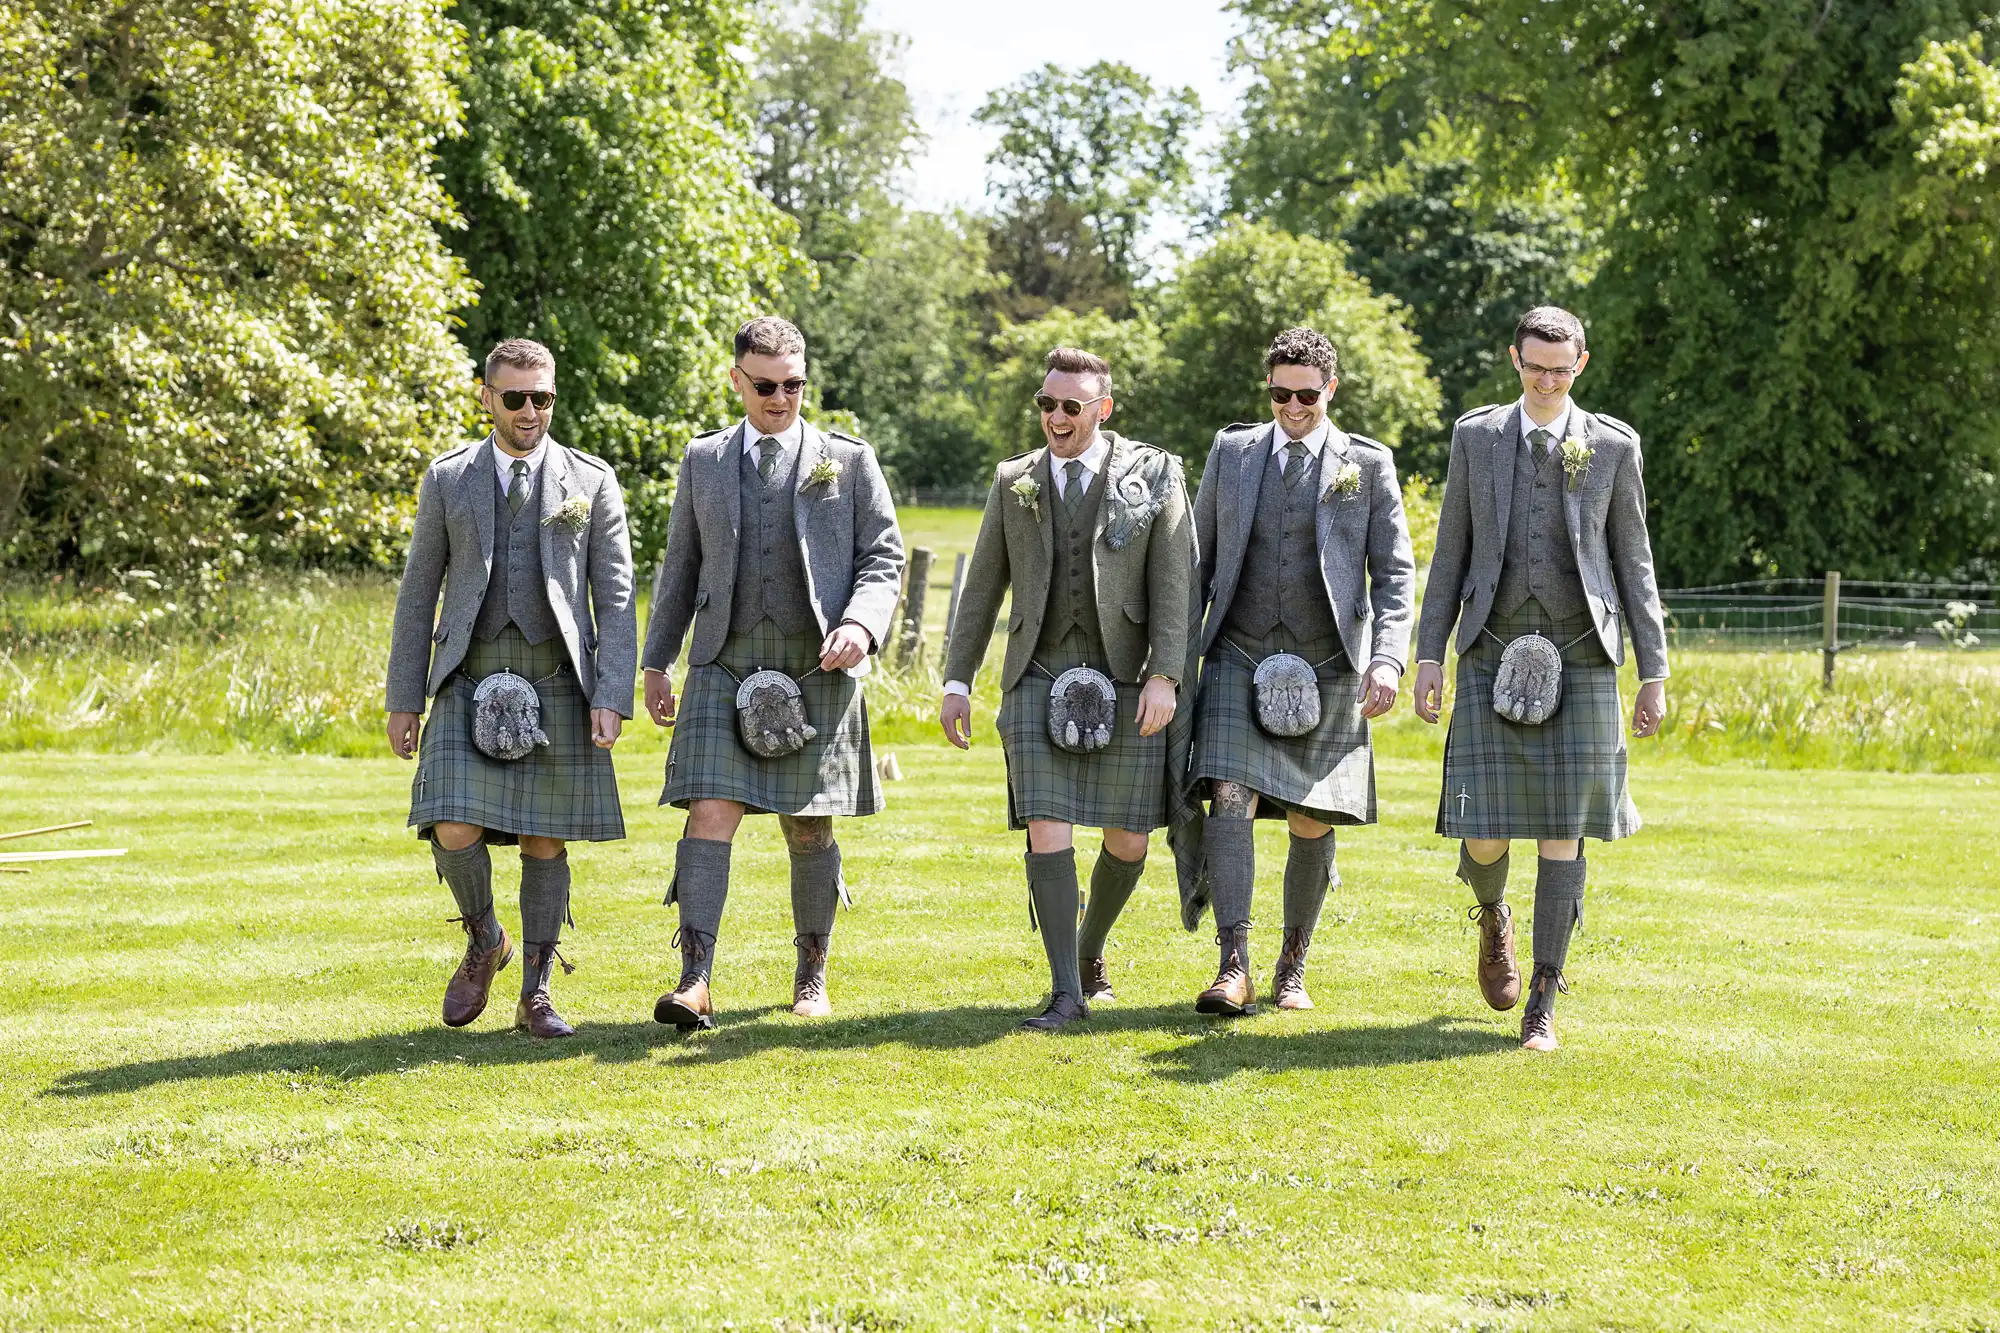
(1232, 800)
(1305, 826)
(713, 821)
(807, 833)
(1050, 835)
(456, 837)
(1486, 850)
(1125, 844)
(541, 849)
(1560, 849)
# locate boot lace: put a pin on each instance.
(1492, 919)
(809, 978)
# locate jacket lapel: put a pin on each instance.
(1115, 464)
(1331, 457)
(1045, 524)
(1580, 423)
(1249, 480)
(477, 486)
(812, 447)
(1506, 445)
(723, 473)
(555, 489)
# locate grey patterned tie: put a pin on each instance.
(767, 461)
(1295, 462)
(517, 494)
(1539, 438)
(1073, 489)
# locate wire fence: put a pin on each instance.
(1790, 613)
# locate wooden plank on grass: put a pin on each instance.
(59, 856)
(37, 832)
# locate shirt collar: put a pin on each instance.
(503, 462)
(1314, 441)
(1558, 429)
(1091, 458)
(788, 439)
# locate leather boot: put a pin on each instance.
(1499, 975)
(1289, 982)
(1234, 993)
(1538, 1029)
(687, 1006)
(465, 994)
(536, 1014)
(1096, 981)
(1060, 1012)
(809, 977)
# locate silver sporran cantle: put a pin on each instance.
(1083, 709)
(1528, 687)
(507, 717)
(1287, 695)
(771, 715)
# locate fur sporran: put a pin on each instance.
(771, 715)
(507, 717)
(1083, 709)
(1528, 687)
(1287, 695)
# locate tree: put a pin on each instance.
(225, 334)
(610, 213)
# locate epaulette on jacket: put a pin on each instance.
(450, 454)
(594, 461)
(719, 430)
(1617, 425)
(1367, 442)
(843, 435)
(1479, 411)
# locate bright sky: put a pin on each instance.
(959, 52)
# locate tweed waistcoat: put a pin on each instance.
(1540, 562)
(1072, 599)
(1281, 583)
(516, 592)
(770, 572)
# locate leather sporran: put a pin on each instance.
(1287, 695)
(507, 717)
(771, 715)
(1528, 688)
(1083, 710)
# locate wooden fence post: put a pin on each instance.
(1831, 616)
(913, 605)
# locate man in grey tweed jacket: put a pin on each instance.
(1304, 550)
(526, 541)
(1542, 531)
(782, 555)
(1091, 532)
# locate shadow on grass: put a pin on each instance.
(1216, 1049)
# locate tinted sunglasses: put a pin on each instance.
(1306, 397)
(765, 388)
(1070, 406)
(514, 399)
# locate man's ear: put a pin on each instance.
(1104, 411)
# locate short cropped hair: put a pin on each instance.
(768, 335)
(1551, 324)
(1303, 347)
(1076, 361)
(525, 353)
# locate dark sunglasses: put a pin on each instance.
(514, 399)
(1070, 406)
(792, 388)
(1306, 397)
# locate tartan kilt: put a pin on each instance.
(834, 774)
(566, 789)
(1563, 779)
(1327, 774)
(1121, 786)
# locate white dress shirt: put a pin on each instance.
(789, 439)
(1314, 440)
(503, 464)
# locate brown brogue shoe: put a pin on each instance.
(465, 994)
(1288, 984)
(1499, 976)
(1538, 1028)
(1234, 994)
(688, 1006)
(809, 978)
(1059, 1013)
(537, 1017)
(1096, 981)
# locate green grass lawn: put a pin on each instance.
(226, 1101)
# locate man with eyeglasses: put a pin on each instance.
(1091, 533)
(526, 540)
(1306, 575)
(784, 561)
(1542, 533)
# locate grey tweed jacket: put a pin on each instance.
(1364, 540)
(588, 574)
(848, 537)
(1142, 584)
(1606, 516)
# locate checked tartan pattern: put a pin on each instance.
(1120, 786)
(566, 789)
(1327, 774)
(833, 775)
(1563, 779)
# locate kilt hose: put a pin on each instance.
(833, 775)
(1121, 786)
(1563, 779)
(1328, 774)
(565, 789)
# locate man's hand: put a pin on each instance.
(1429, 694)
(605, 724)
(403, 734)
(1378, 689)
(955, 716)
(1649, 710)
(844, 648)
(660, 702)
(1157, 702)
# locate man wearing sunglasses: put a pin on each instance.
(782, 555)
(1091, 533)
(526, 539)
(1542, 532)
(1304, 551)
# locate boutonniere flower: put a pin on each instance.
(1346, 481)
(1029, 492)
(574, 516)
(822, 474)
(1576, 458)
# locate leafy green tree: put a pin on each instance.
(1139, 371)
(225, 332)
(606, 181)
(1047, 257)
